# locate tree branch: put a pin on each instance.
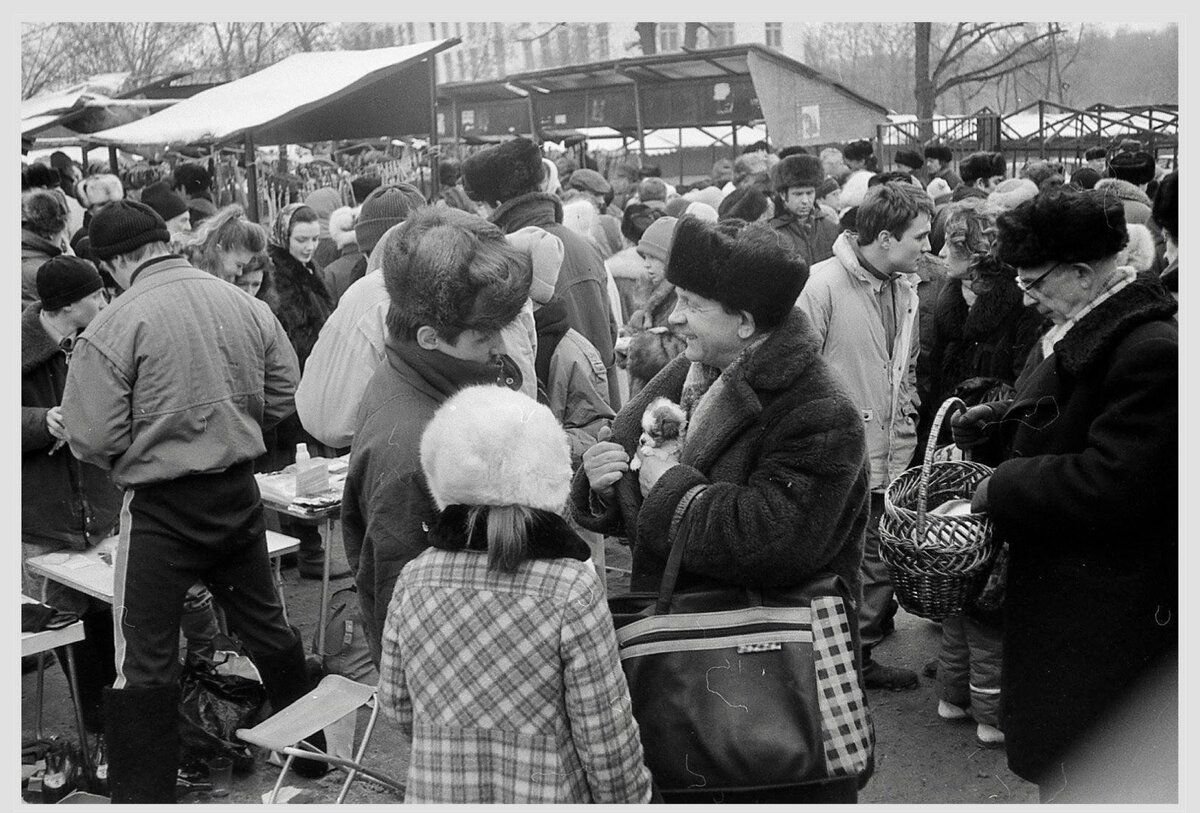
(980, 32)
(999, 66)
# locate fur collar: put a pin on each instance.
(549, 538)
(1124, 190)
(36, 345)
(1091, 341)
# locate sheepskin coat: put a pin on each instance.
(35, 251)
(1088, 498)
(508, 684)
(777, 475)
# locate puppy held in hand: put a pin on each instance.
(664, 424)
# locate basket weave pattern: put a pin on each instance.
(937, 563)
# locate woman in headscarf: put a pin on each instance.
(324, 201)
(302, 304)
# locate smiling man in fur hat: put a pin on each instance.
(506, 177)
(804, 227)
(770, 485)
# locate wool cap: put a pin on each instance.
(124, 226)
(589, 180)
(384, 208)
(742, 267)
(910, 159)
(1013, 192)
(657, 238)
(489, 445)
(1135, 167)
(503, 172)
(546, 253)
(160, 198)
(858, 151)
(798, 170)
(64, 280)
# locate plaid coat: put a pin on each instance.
(509, 684)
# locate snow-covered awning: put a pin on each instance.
(307, 97)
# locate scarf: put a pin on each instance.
(281, 231)
(703, 383)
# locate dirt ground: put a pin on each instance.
(919, 758)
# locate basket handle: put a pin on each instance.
(948, 407)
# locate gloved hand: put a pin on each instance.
(970, 428)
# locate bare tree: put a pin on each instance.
(246, 47)
(43, 57)
(973, 53)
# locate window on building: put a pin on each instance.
(602, 40)
(720, 35)
(412, 32)
(562, 36)
(774, 35)
(668, 36)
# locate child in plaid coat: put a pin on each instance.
(499, 654)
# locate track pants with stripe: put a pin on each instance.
(203, 527)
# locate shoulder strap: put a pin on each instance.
(666, 588)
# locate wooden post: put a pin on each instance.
(637, 112)
(1041, 128)
(112, 160)
(681, 156)
(251, 177)
(434, 180)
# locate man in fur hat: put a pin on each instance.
(769, 487)
(506, 177)
(856, 155)
(939, 160)
(804, 227)
(863, 304)
(983, 171)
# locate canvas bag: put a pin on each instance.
(740, 689)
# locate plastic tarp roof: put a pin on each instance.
(314, 96)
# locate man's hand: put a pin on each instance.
(652, 467)
(605, 464)
(54, 423)
(970, 427)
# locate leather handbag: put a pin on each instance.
(741, 689)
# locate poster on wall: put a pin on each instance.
(810, 121)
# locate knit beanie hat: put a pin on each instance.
(503, 172)
(744, 268)
(384, 208)
(160, 198)
(546, 253)
(124, 226)
(827, 188)
(489, 445)
(657, 238)
(1135, 167)
(65, 279)
(798, 170)
(1012, 193)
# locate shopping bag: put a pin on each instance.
(212, 707)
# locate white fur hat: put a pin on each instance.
(546, 252)
(1012, 193)
(341, 225)
(488, 445)
(1139, 253)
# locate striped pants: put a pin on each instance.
(202, 527)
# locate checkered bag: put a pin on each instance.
(737, 689)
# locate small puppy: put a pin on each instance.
(664, 426)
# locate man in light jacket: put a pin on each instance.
(863, 304)
(170, 388)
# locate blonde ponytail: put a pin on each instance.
(507, 534)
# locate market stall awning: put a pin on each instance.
(315, 96)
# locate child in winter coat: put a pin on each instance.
(499, 653)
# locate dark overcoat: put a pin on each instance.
(782, 470)
(1088, 500)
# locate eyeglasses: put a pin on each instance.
(1026, 286)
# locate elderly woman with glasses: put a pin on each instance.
(1086, 493)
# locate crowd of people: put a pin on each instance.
(487, 358)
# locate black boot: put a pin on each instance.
(286, 680)
(141, 731)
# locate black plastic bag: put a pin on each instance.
(212, 708)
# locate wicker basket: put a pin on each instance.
(937, 563)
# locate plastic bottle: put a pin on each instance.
(312, 476)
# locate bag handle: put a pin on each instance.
(666, 588)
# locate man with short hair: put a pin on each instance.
(983, 171)
(806, 231)
(170, 388)
(1097, 159)
(863, 304)
(453, 282)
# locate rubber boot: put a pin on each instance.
(286, 679)
(141, 732)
